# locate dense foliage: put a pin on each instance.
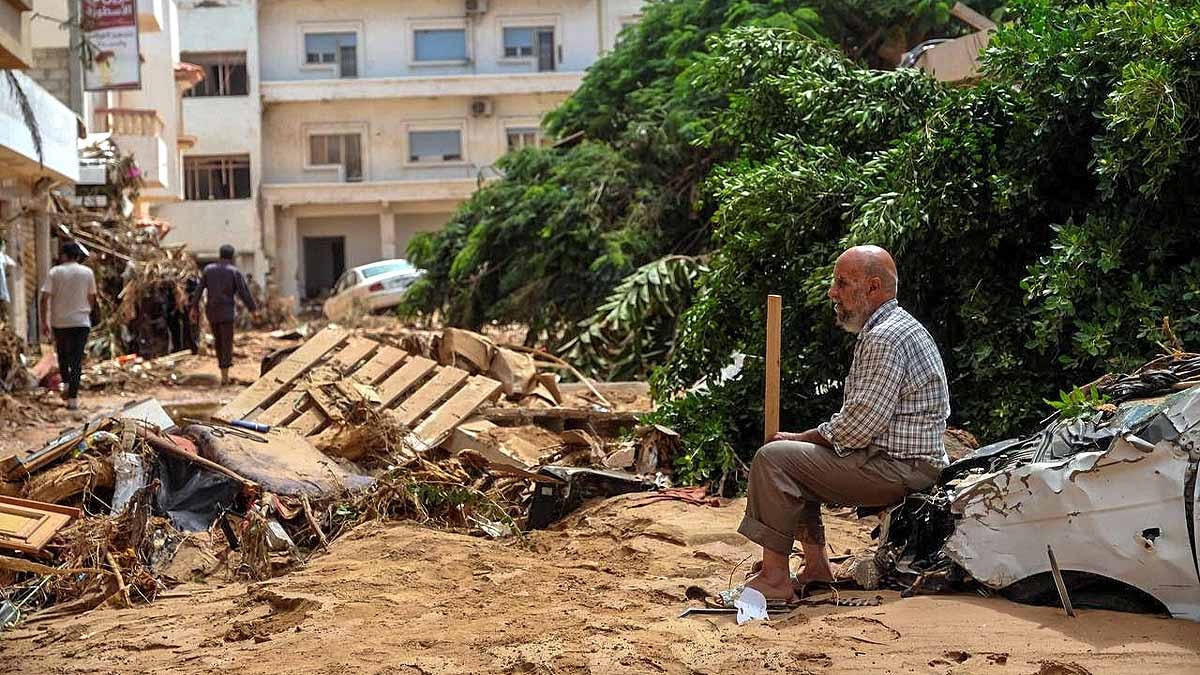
(549, 244)
(1042, 220)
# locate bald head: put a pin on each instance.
(873, 262)
(864, 278)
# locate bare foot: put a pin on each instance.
(773, 587)
(813, 573)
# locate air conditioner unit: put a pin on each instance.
(481, 107)
(476, 6)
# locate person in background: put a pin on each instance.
(224, 284)
(66, 309)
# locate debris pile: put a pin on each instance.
(1097, 509)
(463, 434)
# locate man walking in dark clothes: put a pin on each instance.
(66, 308)
(224, 283)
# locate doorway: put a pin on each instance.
(545, 49)
(324, 263)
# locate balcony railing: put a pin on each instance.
(129, 122)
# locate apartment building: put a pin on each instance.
(329, 133)
(28, 173)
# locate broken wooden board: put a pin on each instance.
(308, 393)
(269, 387)
(437, 427)
(27, 526)
(462, 348)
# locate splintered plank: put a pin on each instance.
(381, 364)
(422, 401)
(356, 350)
(282, 409)
(461, 405)
(400, 381)
(269, 386)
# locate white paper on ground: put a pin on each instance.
(751, 606)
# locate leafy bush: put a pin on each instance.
(1041, 220)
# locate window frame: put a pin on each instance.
(360, 129)
(191, 184)
(305, 28)
(448, 23)
(534, 21)
(519, 126)
(456, 124)
(204, 60)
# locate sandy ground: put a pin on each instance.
(600, 594)
(18, 436)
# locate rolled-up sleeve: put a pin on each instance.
(873, 388)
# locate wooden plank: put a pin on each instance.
(434, 430)
(381, 364)
(424, 399)
(399, 382)
(771, 402)
(269, 386)
(284, 408)
(518, 416)
(356, 350)
(307, 423)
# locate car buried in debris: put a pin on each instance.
(1113, 497)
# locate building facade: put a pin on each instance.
(329, 133)
(29, 170)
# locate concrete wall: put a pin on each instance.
(385, 33)
(384, 125)
(408, 225)
(52, 69)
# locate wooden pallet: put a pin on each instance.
(430, 399)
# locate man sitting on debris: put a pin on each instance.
(224, 284)
(884, 443)
(66, 308)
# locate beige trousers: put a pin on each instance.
(789, 480)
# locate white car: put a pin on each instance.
(377, 286)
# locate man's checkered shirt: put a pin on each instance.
(896, 397)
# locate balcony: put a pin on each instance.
(370, 192)
(139, 133)
(59, 131)
(16, 45)
(466, 85)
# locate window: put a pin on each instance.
(224, 74)
(344, 150)
(214, 178)
(332, 49)
(440, 44)
(523, 137)
(435, 146)
(531, 42)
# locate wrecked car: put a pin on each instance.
(1112, 497)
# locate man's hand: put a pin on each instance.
(811, 436)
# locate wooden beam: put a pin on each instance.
(971, 17)
(774, 338)
(445, 381)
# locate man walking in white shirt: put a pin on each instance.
(66, 309)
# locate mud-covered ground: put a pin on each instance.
(600, 594)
